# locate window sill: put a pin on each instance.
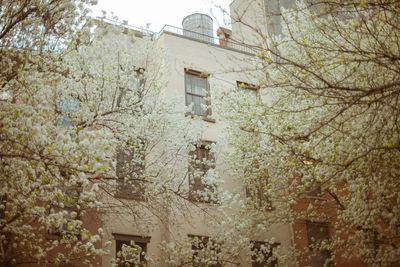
(130, 197)
(315, 197)
(209, 119)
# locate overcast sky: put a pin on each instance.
(160, 12)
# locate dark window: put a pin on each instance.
(130, 171)
(262, 254)
(256, 192)
(197, 88)
(70, 211)
(138, 245)
(249, 89)
(318, 235)
(314, 191)
(205, 251)
(257, 186)
(312, 188)
(202, 160)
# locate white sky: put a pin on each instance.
(160, 12)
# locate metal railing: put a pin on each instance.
(228, 44)
(200, 37)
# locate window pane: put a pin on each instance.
(250, 92)
(202, 249)
(318, 232)
(196, 87)
(202, 162)
(263, 254)
(66, 106)
(196, 105)
(130, 170)
(202, 86)
(189, 80)
(194, 84)
(137, 258)
(189, 99)
(204, 106)
(199, 86)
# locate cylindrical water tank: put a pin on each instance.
(198, 26)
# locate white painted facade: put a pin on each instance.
(224, 66)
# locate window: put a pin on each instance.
(256, 192)
(314, 191)
(68, 216)
(262, 254)
(205, 251)
(202, 160)
(196, 88)
(130, 171)
(130, 250)
(318, 236)
(312, 188)
(249, 89)
(256, 183)
(66, 107)
(133, 82)
(70, 212)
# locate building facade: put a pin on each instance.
(200, 68)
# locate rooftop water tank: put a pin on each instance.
(198, 26)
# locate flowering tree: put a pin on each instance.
(322, 142)
(34, 35)
(84, 133)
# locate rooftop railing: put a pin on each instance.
(228, 44)
(196, 36)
